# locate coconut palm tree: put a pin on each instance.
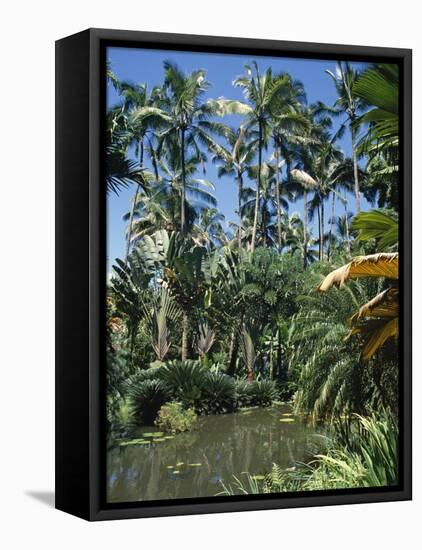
(378, 86)
(302, 151)
(296, 240)
(186, 119)
(350, 104)
(267, 203)
(327, 169)
(263, 93)
(135, 97)
(289, 127)
(209, 229)
(235, 162)
(161, 204)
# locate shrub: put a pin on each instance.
(286, 390)
(243, 395)
(218, 394)
(262, 393)
(146, 398)
(140, 376)
(173, 418)
(185, 380)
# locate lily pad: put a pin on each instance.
(153, 434)
(179, 464)
(287, 419)
(287, 414)
(195, 464)
(133, 442)
(176, 471)
(170, 467)
(169, 437)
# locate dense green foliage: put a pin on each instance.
(207, 315)
(366, 457)
(174, 418)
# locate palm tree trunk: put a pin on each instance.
(135, 200)
(250, 376)
(331, 226)
(182, 206)
(355, 169)
(277, 194)
(258, 188)
(305, 228)
(264, 224)
(271, 361)
(184, 336)
(319, 233)
(346, 225)
(322, 227)
(239, 206)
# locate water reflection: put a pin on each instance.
(193, 464)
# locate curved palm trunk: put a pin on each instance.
(258, 188)
(182, 206)
(135, 200)
(305, 228)
(233, 352)
(184, 336)
(331, 226)
(239, 206)
(277, 195)
(355, 169)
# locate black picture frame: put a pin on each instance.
(80, 273)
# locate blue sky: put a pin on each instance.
(146, 66)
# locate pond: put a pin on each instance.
(193, 464)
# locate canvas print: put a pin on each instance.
(252, 293)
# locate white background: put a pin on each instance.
(27, 36)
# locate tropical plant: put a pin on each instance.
(378, 86)
(186, 380)
(377, 320)
(205, 339)
(185, 118)
(185, 282)
(174, 418)
(147, 397)
(350, 104)
(262, 393)
(235, 161)
(218, 394)
(328, 172)
(248, 352)
(163, 309)
(381, 225)
(264, 93)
